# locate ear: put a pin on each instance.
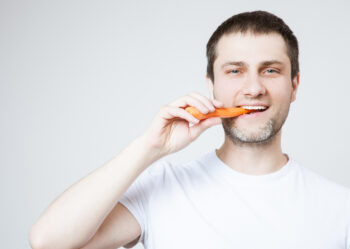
(210, 86)
(295, 85)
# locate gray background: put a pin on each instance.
(81, 79)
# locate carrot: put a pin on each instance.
(219, 112)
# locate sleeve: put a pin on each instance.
(137, 199)
(348, 224)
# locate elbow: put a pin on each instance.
(39, 238)
(36, 239)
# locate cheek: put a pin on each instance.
(225, 91)
(281, 96)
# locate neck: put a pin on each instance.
(254, 159)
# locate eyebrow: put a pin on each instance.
(243, 64)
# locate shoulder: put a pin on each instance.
(164, 170)
(321, 183)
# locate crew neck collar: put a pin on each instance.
(234, 176)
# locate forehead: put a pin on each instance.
(251, 48)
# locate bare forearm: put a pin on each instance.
(74, 217)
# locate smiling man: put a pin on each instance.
(253, 70)
(246, 194)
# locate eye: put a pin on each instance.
(234, 71)
(271, 71)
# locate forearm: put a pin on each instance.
(74, 217)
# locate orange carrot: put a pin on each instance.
(219, 112)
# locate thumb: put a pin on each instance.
(197, 129)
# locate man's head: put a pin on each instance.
(253, 60)
(256, 22)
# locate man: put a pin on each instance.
(246, 194)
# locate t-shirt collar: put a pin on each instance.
(234, 176)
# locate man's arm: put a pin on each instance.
(119, 222)
(76, 216)
(72, 219)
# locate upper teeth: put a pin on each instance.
(254, 107)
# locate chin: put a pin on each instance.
(260, 134)
(257, 129)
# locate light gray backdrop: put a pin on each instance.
(81, 79)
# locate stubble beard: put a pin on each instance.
(263, 135)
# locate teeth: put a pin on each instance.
(254, 107)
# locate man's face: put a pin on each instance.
(253, 70)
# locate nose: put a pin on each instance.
(253, 86)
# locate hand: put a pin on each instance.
(170, 131)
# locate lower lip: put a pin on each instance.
(252, 115)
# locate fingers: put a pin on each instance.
(202, 103)
(218, 104)
(171, 112)
(203, 100)
(175, 110)
(212, 103)
(189, 100)
(196, 130)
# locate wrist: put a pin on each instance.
(150, 152)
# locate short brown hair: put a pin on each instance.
(257, 22)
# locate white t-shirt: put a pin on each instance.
(206, 204)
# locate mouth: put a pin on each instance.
(254, 110)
